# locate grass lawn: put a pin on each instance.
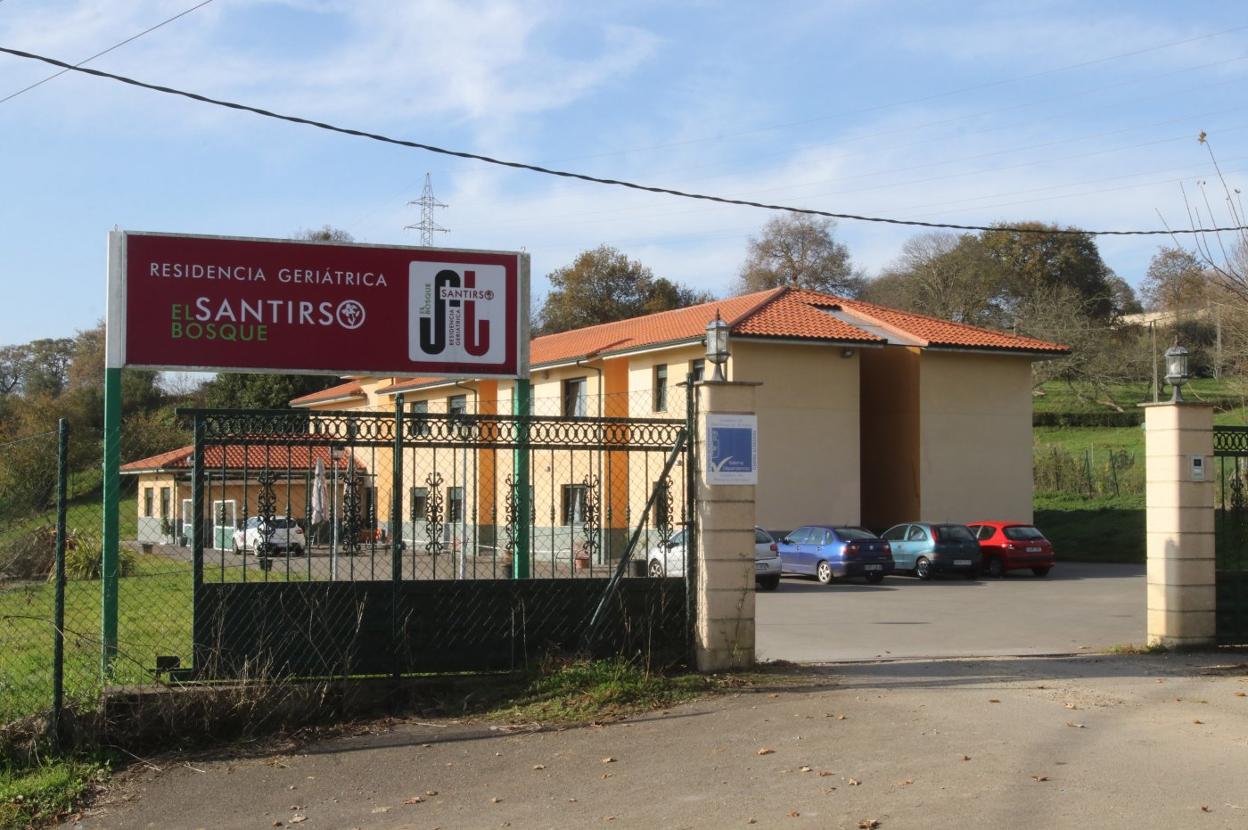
(153, 617)
(1058, 397)
(34, 797)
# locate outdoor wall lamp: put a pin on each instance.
(847, 353)
(717, 345)
(1176, 369)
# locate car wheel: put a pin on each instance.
(875, 578)
(297, 550)
(996, 567)
(823, 573)
(769, 583)
(923, 568)
(655, 569)
(1041, 571)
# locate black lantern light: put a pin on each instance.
(1176, 369)
(717, 345)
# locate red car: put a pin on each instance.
(1010, 546)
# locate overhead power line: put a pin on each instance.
(567, 174)
(130, 39)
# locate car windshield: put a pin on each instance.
(954, 533)
(854, 533)
(1024, 533)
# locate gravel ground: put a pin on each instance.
(1107, 741)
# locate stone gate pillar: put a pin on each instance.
(724, 563)
(1180, 523)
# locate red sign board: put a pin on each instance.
(267, 305)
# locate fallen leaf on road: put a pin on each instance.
(823, 773)
(608, 760)
(416, 799)
(1039, 778)
(868, 824)
(766, 751)
(993, 700)
(804, 769)
(495, 800)
(854, 782)
(905, 783)
(1070, 706)
(539, 766)
(793, 814)
(1198, 721)
(773, 695)
(1076, 725)
(840, 717)
(277, 824)
(298, 819)
(1204, 808)
(431, 793)
(751, 821)
(966, 757)
(606, 775)
(1241, 694)
(380, 810)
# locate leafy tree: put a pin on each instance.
(1176, 280)
(1044, 258)
(604, 285)
(799, 250)
(231, 390)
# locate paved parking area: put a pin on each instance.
(1076, 608)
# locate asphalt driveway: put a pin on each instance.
(1078, 607)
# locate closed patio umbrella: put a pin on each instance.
(318, 496)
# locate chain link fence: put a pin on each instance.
(154, 584)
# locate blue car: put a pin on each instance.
(827, 552)
(928, 549)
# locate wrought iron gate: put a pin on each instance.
(357, 543)
(1230, 447)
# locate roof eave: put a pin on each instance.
(1034, 354)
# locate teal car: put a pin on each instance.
(927, 549)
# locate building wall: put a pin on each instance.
(641, 380)
(808, 432)
(889, 385)
(975, 455)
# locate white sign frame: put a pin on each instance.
(718, 471)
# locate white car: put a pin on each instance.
(669, 559)
(283, 534)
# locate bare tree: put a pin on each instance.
(799, 250)
(941, 274)
(1223, 252)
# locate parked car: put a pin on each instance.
(827, 552)
(669, 559)
(1011, 546)
(927, 549)
(283, 534)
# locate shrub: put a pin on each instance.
(83, 558)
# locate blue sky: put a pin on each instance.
(1069, 112)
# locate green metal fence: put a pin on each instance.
(1230, 448)
(456, 541)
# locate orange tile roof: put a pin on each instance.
(784, 313)
(350, 389)
(943, 333)
(236, 457)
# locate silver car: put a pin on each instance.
(669, 559)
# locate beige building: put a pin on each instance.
(867, 415)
